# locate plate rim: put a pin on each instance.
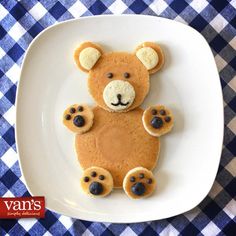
(98, 217)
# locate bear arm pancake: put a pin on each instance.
(78, 118)
(157, 120)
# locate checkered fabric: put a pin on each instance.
(21, 21)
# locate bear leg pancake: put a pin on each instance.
(139, 183)
(97, 182)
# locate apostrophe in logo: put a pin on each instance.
(22, 207)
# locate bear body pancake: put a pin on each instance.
(117, 142)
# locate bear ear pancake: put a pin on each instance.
(86, 56)
(151, 55)
(148, 57)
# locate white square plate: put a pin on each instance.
(188, 84)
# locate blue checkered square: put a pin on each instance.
(199, 23)
(4, 105)
(15, 52)
(37, 229)
(221, 220)
(58, 229)
(7, 225)
(233, 63)
(11, 94)
(3, 148)
(17, 230)
(8, 179)
(230, 228)
(8, 43)
(97, 8)
(35, 29)
(218, 43)
(219, 5)
(9, 136)
(3, 188)
(138, 6)
(3, 32)
(18, 11)
(178, 6)
(57, 10)
(51, 219)
(209, 13)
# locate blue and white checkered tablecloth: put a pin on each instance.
(21, 21)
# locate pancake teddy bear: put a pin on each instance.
(117, 142)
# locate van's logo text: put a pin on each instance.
(22, 207)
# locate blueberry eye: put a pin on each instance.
(109, 75)
(126, 75)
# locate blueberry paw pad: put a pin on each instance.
(158, 120)
(139, 183)
(96, 182)
(78, 118)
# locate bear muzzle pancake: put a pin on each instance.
(118, 95)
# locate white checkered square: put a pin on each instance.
(232, 83)
(232, 42)
(219, 23)
(66, 221)
(38, 11)
(169, 230)
(22, 179)
(158, 6)
(8, 194)
(233, 3)
(232, 126)
(17, 31)
(220, 62)
(225, 104)
(3, 12)
(87, 232)
(10, 115)
(2, 53)
(230, 209)
(1, 94)
(128, 232)
(27, 224)
(118, 7)
(13, 73)
(107, 224)
(216, 188)
(198, 6)
(10, 157)
(190, 215)
(210, 229)
(47, 234)
(180, 19)
(231, 166)
(77, 9)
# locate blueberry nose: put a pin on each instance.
(119, 96)
(79, 121)
(138, 189)
(157, 122)
(96, 188)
